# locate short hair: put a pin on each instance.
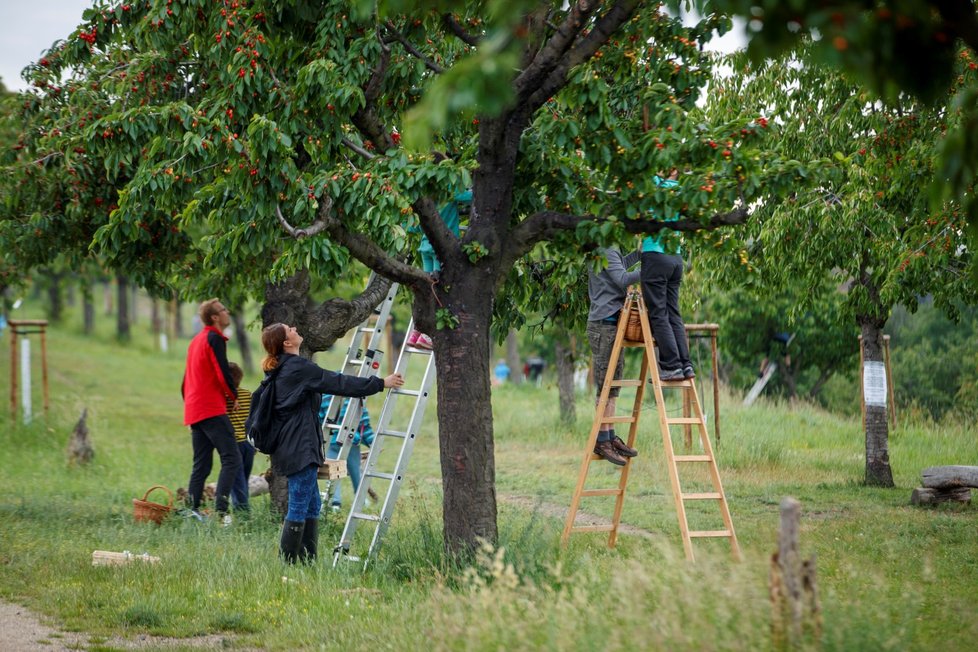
(207, 310)
(236, 373)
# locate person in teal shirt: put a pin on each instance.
(450, 215)
(662, 274)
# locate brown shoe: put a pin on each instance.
(622, 448)
(605, 450)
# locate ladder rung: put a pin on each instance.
(406, 392)
(378, 474)
(621, 419)
(414, 349)
(593, 528)
(704, 496)
(334, 426)
(366, 517)
(355, 362)
(393, 433)
(676, 383)
(683, 420)
(601, 492)
(626, 383)
(693, 458)
(706, 534)
(366, 329)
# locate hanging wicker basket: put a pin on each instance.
(633, 328)
(146, 510)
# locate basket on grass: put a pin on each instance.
(146, 510)
(633, 328)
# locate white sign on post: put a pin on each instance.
(25, 378)
(874, 384)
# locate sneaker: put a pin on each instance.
(423, 342)
(226, 520)
(622, 448)
(667, 375)
(192, 514)
(689, 372)
(412, 338)
(335, 508)
(606, 450)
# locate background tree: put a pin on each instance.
(261, 144)
(925, 47)
(867, 222)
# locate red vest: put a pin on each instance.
(205, 385)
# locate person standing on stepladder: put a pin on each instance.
(207, 388)
(662, 274)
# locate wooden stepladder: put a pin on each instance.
(650, 373)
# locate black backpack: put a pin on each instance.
(261, 429)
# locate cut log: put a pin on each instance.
(930, 496)
(949, 477)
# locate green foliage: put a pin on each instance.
(446, 319)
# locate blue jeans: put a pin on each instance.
(352, 469)
(304, 499)
(239, 490)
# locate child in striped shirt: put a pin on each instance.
(239, 490)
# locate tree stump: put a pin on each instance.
(80, 450)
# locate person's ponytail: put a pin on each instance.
(273, 341)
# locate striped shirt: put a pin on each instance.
(238, 416)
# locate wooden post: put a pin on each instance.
(702, 330)
(793, 589)
(25, 327)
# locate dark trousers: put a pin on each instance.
(662, 275)
(207, 435)
(240, 491)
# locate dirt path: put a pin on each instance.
(23, 631)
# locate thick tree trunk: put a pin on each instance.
(564, 354)
(465, 433)
(122, 331)
(878, 471)
(55, 299)
(513, 357)
(88, 306)
(241, 335)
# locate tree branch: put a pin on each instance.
(583, 50)
(455, 28)
(359, 150)
(400, 38)
(550, 55)
(376, 81)
(359, 245)
(541, 226)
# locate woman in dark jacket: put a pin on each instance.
(299, 386)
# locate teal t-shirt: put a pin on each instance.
(665, 241)
(449, 215)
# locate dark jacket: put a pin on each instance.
(298, 393)
(207, 385)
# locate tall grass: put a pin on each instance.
(891, 576)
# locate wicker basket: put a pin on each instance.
(146, 510)
(633, 328)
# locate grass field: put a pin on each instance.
(891, 576)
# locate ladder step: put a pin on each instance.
(366, 329)
(683, 420)
(703, 496)
(693, 458)
(621, 419)
(393, 433)
(366, 517)
(675, 383)
(595, 457)
(601, 492)
(593, 528)
(413, 349)
(406, 392)
(378, 474)
(358, 363)
(334, 426)
(706, 534)
(626, 383)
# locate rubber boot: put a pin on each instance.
(291, 544)
(310, 541)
